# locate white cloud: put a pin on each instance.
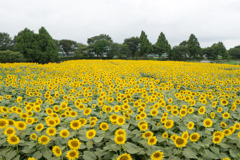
(211, 21)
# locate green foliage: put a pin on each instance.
(26, 43)
(132, 45)
(179, 52)
(5, 41)
(48, 48)
(67, 46)
(118, 51)
(234, 52)
(39, 48)
(100, 44)
(81, 51)
(194, 47)
(145, 45)
(11, 57)
(162, 45)
(217, 49)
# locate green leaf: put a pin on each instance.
(224, 145)
(89, 145)
(37, 155)
(10, 155)
(98, 139)
(87, 155)
(188, 153)
(209, 154)
(232, 153)
(195, 145)
(215, 150)
(16, 158)
(131, 148)
(47, 153)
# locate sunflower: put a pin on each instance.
(104, 126)
(120, 120)
(224, 102)
(20, 125)
(8, 131)
(158, 155)
(190, 110)
(90, 133)
(143, 127)
(154, 112)
(194, 137)
(219, 110)
(74, 144)
(147, 134)
(190, 125)
(183, 112)
(124, 156)
(217, 139)
(169, 124)
(207, 122)
(3, 123)
(51, 122)
(226, 115)
(185, 135)
(120, 139)
(31, 158)
(165, 135)
(72, 154)
(13, 139)
(33, 136)
(29, 120)
(212, 115)
(39, 127)
(75, 124)
(64, 133)
(237, 126)
(202, 110)
(152, 140)
(87, 111)
(73, 114)
(51, 131)
(120, 132)
(57, 151)
(180, 142)
(218, 133)
(227, 132)
(175, 112)
(43, 140)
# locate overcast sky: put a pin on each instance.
(209, 20)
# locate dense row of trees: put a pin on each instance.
(43, 48)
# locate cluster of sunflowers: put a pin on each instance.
(119, 110)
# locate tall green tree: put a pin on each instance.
(68, 46)
(145, 45)
(234, 52)
(222, 51)
(194, 47)
(81, 51)
(100, 45)
(39, 47)
(217, 49)
(118, 51)
(26, 42)
(48, 49)
(132, 44)
(179, 52)
(5, 41)
(162, 45)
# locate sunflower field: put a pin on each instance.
(119, 110)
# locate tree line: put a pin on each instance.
(42, 48)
